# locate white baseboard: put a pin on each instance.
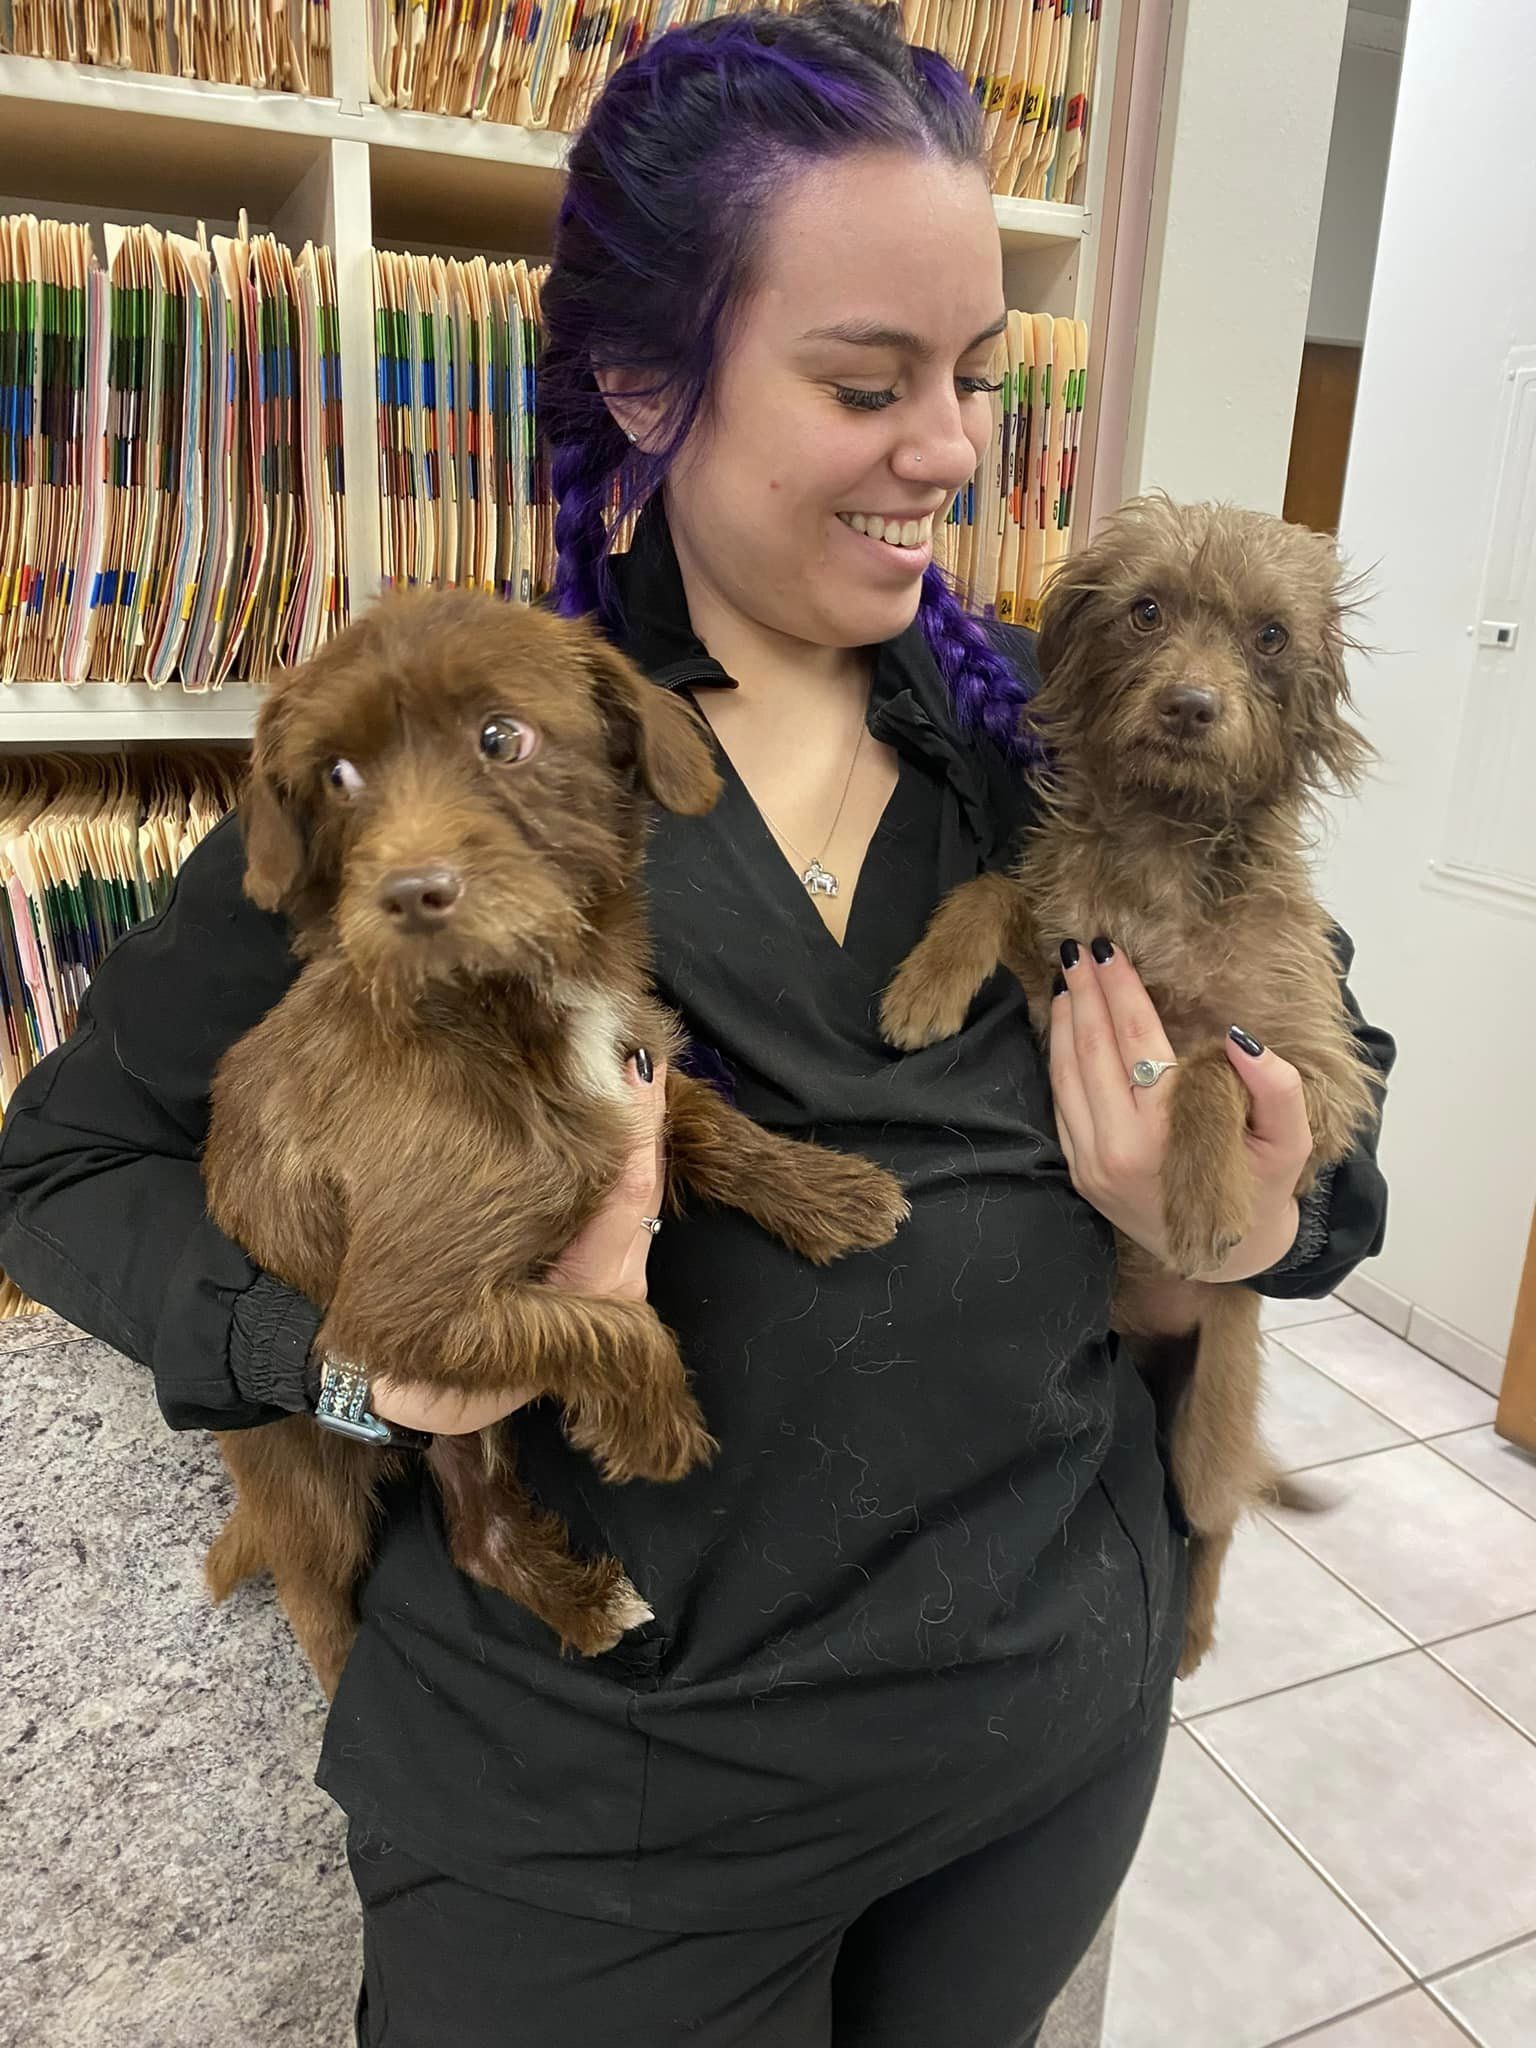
(1449, 1346)
(1377, 1302)
(1463, 1354)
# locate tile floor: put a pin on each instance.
(1343, 1850)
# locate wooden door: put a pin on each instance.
(1517, 1403)
(1325, 419)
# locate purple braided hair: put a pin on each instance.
(654, 243)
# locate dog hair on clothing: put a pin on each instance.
(1192, 710)
(450, 803)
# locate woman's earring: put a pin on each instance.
(630, 433)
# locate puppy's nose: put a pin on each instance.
(1188, 712)
(422, 900)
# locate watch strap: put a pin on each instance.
(342, 1405)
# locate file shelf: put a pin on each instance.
(89, 144)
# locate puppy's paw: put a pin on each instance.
(1300, 1493)
(678, 1442)
(1207, 1182)
(606, 1614)
(1336, 1110)
(1199, 1243)
(973, 929)
(612, 1619)
(1199, 1639)
(1207, 1554)
(627, 1608)
(921, 1006)
(849, 1205)
(1207, 1203)
(1200, 1609)
(233, 1555)
(660, 1438)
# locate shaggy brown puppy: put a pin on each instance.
(1192, 709)
(450, 804)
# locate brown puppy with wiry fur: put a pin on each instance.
(450, 804)
(1192, 709)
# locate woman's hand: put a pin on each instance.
(606, 1256)
(1115, 1135)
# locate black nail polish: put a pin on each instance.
(1250, 1045)
(1058, 988)
(1069, 952)
(1102, 950)
(643, 1063)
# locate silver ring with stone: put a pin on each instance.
(1147, 1073)
(650, 1223)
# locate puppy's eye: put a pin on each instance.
(343, 777)
(507, 739)
(1272, 638)
(1146, 615)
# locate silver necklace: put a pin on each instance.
(818, 880)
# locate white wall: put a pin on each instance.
(1352, 194)
(1248, 112)
(1453, 974)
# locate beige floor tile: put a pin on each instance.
(1501, 1663)
(1413, 1796)
(1485, 1454)
(1224, 1938)
(1310, 1419)
(1283, 1619)
(1496, 1999)
(1285, 1315)
(1436, 1552)
(1412, 2021)
(1411, 1390)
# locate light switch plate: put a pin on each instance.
(1498, 633)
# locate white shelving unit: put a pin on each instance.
(85, 143)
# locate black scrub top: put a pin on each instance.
(934, 1578)
(932, 1575)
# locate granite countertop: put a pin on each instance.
(170, 1877)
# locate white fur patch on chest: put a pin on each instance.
(594, 1048)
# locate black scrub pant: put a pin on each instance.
(971, 1956)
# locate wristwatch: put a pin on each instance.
(342, 1405)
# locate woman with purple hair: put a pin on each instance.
(874, 1772)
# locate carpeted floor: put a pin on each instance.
(169, 1875)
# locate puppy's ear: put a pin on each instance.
(275, 853)
(655, 737)
(1067, 596)
(1070, 597)
(1332, 748)
(1341, 752)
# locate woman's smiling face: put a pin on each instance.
(853, 386)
